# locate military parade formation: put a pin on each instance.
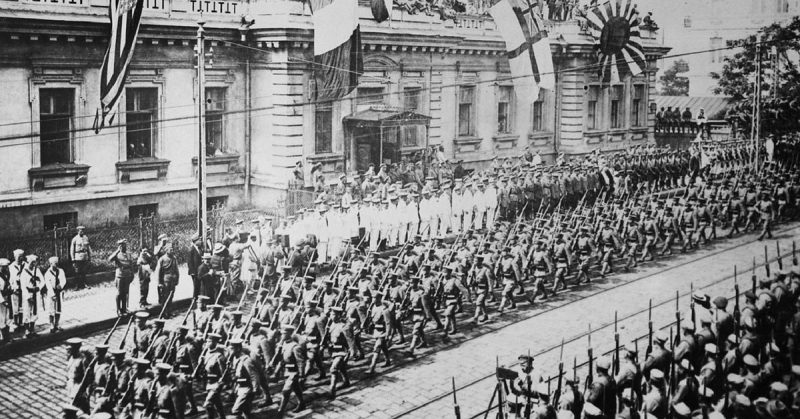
(378, 266)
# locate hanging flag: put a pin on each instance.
(381, 9)
(125, 16)
(338, 59)
(529, 54)
(615, 28)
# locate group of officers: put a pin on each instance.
(286, 321)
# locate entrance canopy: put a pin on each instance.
(378, 135)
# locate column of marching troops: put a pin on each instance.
(285, 323)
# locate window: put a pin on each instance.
(638, 106)
(323, 125)
(369, 96)
(592, 108)
(141, 106)
(466, 97)
(217, 202)
(617, 106)
(504, 96)
(55, 122)
(142, 211)
(61, 220)
(537, 117)
(687, 22)
(411, 99)
(215, 128)
(783, 6)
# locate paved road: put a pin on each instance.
(418, 387)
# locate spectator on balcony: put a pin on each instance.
(80, 253)
(687, 120)
(660, 120)
(649, 23)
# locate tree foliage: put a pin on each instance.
(672, 84)
(780, 106)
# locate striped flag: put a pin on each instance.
(381, 9)
(338, 59)
(528, 48)
(125, 16)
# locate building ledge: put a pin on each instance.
(59, 175)
(219, 164)
(468, 140)
(143, 168)
(539, 138)
(325, 158)
(505, 141)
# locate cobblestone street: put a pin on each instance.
(419, 387)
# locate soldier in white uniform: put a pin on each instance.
(14, 273)
(426, 215)
(31, 283)
(457, 211)
(491, 199)
(5, 300)
(54, 282)
(445, 208)
(468, 197)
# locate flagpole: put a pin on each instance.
(202, 202)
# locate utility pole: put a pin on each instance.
(202, 202)
(755, 129)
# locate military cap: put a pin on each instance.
(117, 352)
(4, 262)
(142, 315)
(159, 322)
(796, 369)
(203, 298)
(750, 360)
(163, 367)
(778, 386)
(236, 342)
(216, 307)
(705, 392)
(742, 400)
(286, 297)
(236, 313)
(214, 335)
(142, 361)
(525, 357)
(735, 379)
(710, 348)
(656, 374)
(682, 410)
(74, 342)
(661, 336)
(162, 237)
(101, 347)
(603, 363)
(31, 258)
(721, 303)
(592, 411)
(287, 328)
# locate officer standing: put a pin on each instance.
(80, 253)
(123, 275)
(146, 264)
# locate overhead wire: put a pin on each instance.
(193, 117)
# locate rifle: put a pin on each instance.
(677, 316)
(794, 254)
(557, 396)
(766, 261)
(166, 303)
(615, 365)
(111, 332)
(736, 313)
(590, 353)
(780, 258)
(671, 364)
(84, 382)
(753, 275)
(649, 349)
(125, 336)
(456, 408)
(691, 305)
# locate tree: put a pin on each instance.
(779, 106)
(671, 83)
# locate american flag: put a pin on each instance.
(125, 16)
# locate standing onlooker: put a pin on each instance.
(54, 282)
(206, 277)
(702, 124)
(167, 269)
(81, 254)
(123, 275)
(193, 263)
(146, 263)
(687, 120)
(660, 120)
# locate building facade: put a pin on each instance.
(697, 25)
(450, 77)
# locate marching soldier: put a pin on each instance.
(452, 299)
(290, 357)
(482, 280)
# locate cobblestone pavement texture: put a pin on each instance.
(419, 387)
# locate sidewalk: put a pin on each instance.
(87, 310)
